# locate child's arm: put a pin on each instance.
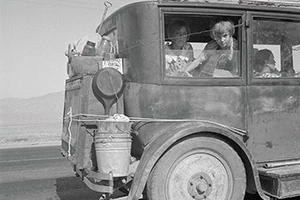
(196, 62)
(191, 52)
(212, 45)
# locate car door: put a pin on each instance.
(274, 100)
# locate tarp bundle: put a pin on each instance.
(279, 3)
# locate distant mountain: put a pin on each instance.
(42, 109)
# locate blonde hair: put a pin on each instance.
(222, 27)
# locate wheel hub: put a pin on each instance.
(199, 186)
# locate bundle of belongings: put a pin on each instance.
(85, 55)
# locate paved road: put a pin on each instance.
(41, 173)
(38, 173)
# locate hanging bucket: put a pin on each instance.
(113, 127)
(113, 153)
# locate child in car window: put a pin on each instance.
(265, 64)
(220, 53)
(179, 53)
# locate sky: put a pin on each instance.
(34, 35)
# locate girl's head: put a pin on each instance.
(178, 33)
(222, 33)
(263, 57)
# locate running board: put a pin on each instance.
(280, 182)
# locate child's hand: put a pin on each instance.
(173, 68)
(183, 73)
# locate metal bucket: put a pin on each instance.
(113, 151)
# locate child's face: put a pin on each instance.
(179, 37)
(271, 62)
(223, 40)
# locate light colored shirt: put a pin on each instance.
(214, 57)
(178, 60)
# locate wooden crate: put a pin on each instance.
(80, 99)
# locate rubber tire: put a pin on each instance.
(214, 150)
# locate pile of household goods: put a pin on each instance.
(86, 54)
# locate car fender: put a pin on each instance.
(167, 137)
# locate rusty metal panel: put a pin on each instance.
(139, 41)
(274, 122)
(223, 105)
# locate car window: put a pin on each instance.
(202, 46)
(276, 48)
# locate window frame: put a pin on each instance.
(272, 15)
(208, 12)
